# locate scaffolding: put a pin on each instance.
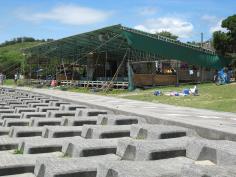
(105, 56)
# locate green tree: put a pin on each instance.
(230, 24)
(225, 42)
(167, 34)
(220, 42)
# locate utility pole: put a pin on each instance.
(201, 68)
(201, 39)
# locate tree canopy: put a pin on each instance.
(23, 39)
(225, 42)
(12, 58)
(167, 34)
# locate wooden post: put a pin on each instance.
(177, 74)
(202, 74)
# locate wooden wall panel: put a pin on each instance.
(165, 79)
(154, 79)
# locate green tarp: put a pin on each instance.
(170, 50)
(121, 38)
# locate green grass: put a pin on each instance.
(12, 55)
(79, 90)
(113, 92)
(220, 98)
(211, 96)
(14, 52)
(17, 151)
(9, 82)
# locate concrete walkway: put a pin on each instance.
(209, 124)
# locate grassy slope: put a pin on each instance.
(11, 54)
(14, 52)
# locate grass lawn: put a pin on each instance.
(220, 98)
(211, 96)
(9, 82)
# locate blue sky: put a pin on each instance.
(61, 18)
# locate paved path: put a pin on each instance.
(211, 124)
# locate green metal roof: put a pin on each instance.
(118, 38)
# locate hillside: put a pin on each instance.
(11, 56)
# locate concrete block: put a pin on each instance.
(16, 122)
(3, 99)
(221, 152)
(91, 112)
(80, 121)
(161, 168)
(7, 143)
(91, 147)
(141, 150)
(119, 120)
(58, 103)
(31, 101)
(25, 131)
(70, 107)
(35, 105)
(37, 122)
(22, 175)
(152, 132)
(25, 99)
(21, 110)
(12, 101)
(58, 114)
(6, 111)
(13, 165)
(3, 104)
(10, 116)
(108, 131)
(46, 109)
(28, 115)
(36, 97)
(4, 131)
(72, 167)
(48, 100)
(194, 170)
(44, 145)
(61, 131)
(13, 106)
(5, 107)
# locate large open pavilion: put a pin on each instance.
(121, 57)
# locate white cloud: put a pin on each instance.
(213, 22)
(147, 11)
(174, 25)
(217, 27)
(69, 14)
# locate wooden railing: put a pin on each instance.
(100, 84)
